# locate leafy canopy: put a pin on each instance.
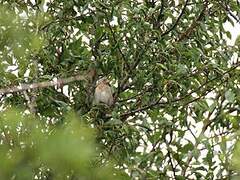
(175, 79)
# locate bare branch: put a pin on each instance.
(38, 85)
(31, 104)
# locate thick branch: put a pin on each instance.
(38, 85)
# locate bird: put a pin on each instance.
(103, 92)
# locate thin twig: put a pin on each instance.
(177, 21)
(195, 23)
(228, 11)
(118, 47)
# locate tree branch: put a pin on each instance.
(228, 11)
(160, 15)
(158, 101)
(116, 42)
(38, 85)
(123, 84)
(177, 21)
(195, 23)
(30, 103)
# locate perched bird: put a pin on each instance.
(103, 92)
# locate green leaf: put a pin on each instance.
(188, 147)
(230, 96)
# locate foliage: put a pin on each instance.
(30, 149)
(175, 79)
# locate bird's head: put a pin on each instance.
(103, 80)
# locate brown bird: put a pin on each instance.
(103, 92)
